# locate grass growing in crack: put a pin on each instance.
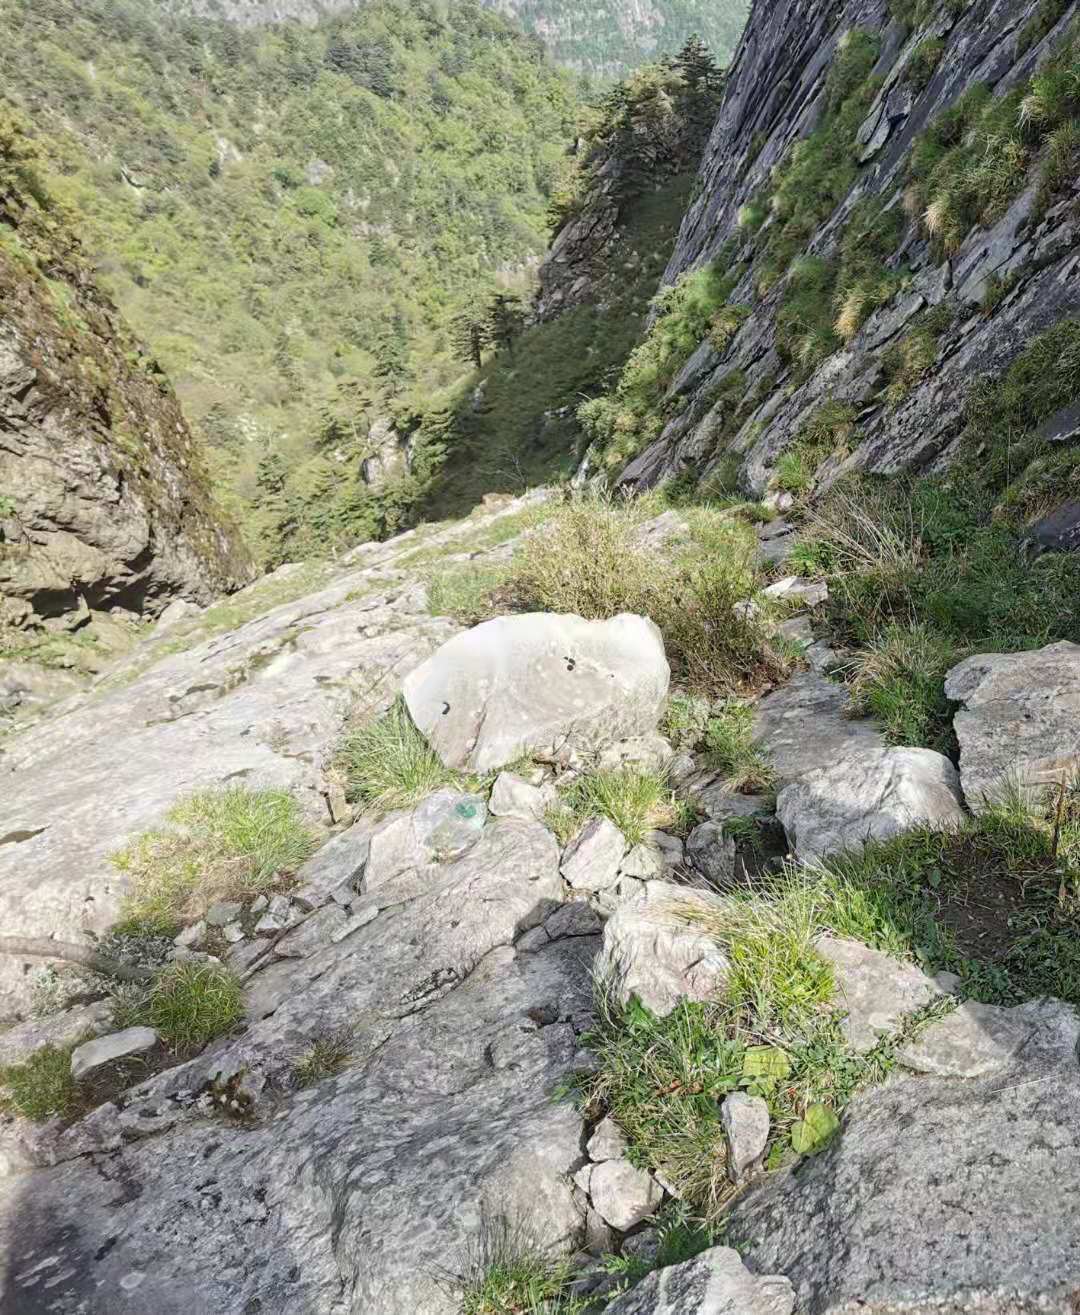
(326, 1056)
(589, 563)
(730, 748)
(683, 1235)
(465, 592)
(222, 844)
(42, 1087)
(637, 801)
(507, 1272)
(826, 433)
(386, 763)
(189, 1004)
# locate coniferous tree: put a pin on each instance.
(506, 320)
(470, 334)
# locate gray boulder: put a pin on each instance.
(444, 826)
(334, 871)
(973, 1041)
(808, 722)
(876, 992)
(103, 1050)
(513, 797)
(870, 794)
(623, 1195)
(941, 1194)
(539, 684)
(1019, 721)
(714, 1283)
(656, 948)
(712, 852)
(592, 859)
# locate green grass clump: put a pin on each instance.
(42, 1087)
(507, 1272)
(588, 563)
(685, 718)
(924, 61)
(189, 1005)
(899, 677)
(826, 433)
(231, 843)
(325, 1056)
(637, 801)
(730, 748)
(909, 360)
(465, 593)
(1047, 15)
(386, 763)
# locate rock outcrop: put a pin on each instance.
(104, 499)
(775, 96)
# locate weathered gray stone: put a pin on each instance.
(1019, 723)
(334, 871)
(669, 847)
(746, 1126)
(191, 936)
(655, 949)
(354, 923)
(648, 753)
(644, 862)
(576, 918)
(623, 1195)
(318, 929)
(538, 684)
(233, 933)
(876, 992)
(939, 1195)
(223, 912)
(973, 1041)
(591, 860)
(1059, 531)
(608, 1142)
(713, 1283)
(871, 794)
(807, 723)
(513, 797)
(795, 589)
(19, 1042)
(712, 852)
(444, 826)
(103, 1050)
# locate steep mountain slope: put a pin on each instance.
(292, 217)
(105, 501)
(607, 38)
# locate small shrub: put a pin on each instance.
(224, 844)
(189, 1005)
(731, 749)
(42, 1087)
(386, 763)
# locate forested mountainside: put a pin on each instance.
(292, 217)
(606, 38)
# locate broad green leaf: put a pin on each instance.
(765, 1062)
(814, 1130)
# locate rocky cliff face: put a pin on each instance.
(104, 501)
(1001, 273)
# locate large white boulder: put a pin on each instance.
(538, 684)
(658, 948)
(871, 794)
(1019, 721)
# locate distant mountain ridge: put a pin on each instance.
(605, 37)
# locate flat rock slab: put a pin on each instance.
(870, 794)
(443, 826)
(655, 949)
(103, 1050)
(538, 684)
(940, 1194)
(1019, 723)
(713, 1283)
(334, 871)
(513, 797)
(592, 859)
(877, 992)
(975, 1040)
(18, 1043)
(807, 723)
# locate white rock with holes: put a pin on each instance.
(539, 684)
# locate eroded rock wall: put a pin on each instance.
(775, 97)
